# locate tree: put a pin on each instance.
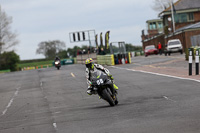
(50, 48)
(7, 37)
(63, 54)
(160, 5)
(9, 60)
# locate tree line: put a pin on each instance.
(8, 39)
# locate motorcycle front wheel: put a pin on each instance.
(107, 96)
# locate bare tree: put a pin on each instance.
(50, 48)
(7, 37)
(160, 5)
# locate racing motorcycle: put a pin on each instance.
(57, 64)
(101, 84)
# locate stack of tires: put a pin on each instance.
(109, 60)
(101, 59)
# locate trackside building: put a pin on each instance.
(187, 25)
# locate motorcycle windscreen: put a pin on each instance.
(97, 77)
(95, 74)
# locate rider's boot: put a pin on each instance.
(90, 91)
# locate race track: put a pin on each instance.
(55, 101)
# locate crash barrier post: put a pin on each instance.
(129, 58)
(190, 62)
(197, 62)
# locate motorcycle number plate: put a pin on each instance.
(100, 81)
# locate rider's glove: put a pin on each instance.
(89, 82)
(111, 77)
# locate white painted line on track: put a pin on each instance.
(168, 99)
(55, 126)
(165, 75)
(73, 75)
(11, 101)
(41, 86)
(56, 112)
(40, 83)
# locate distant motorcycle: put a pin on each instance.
(57, 64)
(101, 86)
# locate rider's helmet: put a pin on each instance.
(89, 63)
(57, 58)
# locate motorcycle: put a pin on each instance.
(57, 64)
(101, 84)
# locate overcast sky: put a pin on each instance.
(43, 20)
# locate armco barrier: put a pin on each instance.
(67, 61)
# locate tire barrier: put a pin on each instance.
(122, 58)
(106, 60)
(36, 67)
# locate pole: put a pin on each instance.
(190, 63)
(172, 12)
(81, 57)
(197, 62)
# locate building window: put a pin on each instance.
(160, 25)
(190, 16)
(183, 17)
(152, 26)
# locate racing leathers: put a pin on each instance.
(101, 68)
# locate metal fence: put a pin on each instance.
(117, 47)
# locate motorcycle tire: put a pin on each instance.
(116, 101)
(108, 97)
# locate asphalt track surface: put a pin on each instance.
(55, 101)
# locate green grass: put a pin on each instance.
(4, 71)
(34, 64)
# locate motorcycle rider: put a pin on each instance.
(57, 58)
(91, 66)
